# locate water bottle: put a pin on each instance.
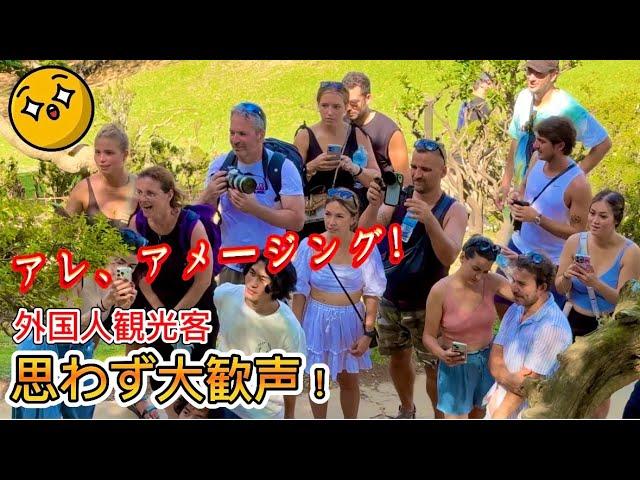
(360, 158)
(408, 224)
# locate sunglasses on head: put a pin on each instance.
(424, 145)
(336, 85)
(342, 195)
(532, 257)
(252, 109)
(483, 245)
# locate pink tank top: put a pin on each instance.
(470, 324)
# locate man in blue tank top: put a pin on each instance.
(553, 202)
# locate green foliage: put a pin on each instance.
(10, 184)
(21, 67)
(10, 66)
(32, 226)
(188, 165)
(50, 181)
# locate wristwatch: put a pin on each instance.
(372, 334)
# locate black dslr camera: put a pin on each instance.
(241, 181)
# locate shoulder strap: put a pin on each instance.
(272, 169)
(141, 224)
(583, 250)
(582, 245)
(442, 207)
(188, 222)
(553, 180)
(346, 293)
(231, 160)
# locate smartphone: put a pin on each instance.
(460, 348)
(522, 203)
(584, 261)
(334, 150)
(392, 192)
(124, 272)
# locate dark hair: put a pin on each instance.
(167, 182)
(282, 283)
(482, 246)
(556, 130)
(357, 79)
(539, 265)
(615, 201)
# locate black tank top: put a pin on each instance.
(168, 285)
(323, 181)
(409, 283)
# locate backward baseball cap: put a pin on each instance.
(543, 66)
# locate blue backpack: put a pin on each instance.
(192, 213)
(273, 168)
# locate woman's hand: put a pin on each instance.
(121, 294)
(323, 163)
(451, 358)
(360, 346)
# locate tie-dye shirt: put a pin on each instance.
(588, 130)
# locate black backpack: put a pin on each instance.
(273, 168)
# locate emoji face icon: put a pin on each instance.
(51, 108)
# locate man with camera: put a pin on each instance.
(389, 145)
(532, 334)
(249, 206)
(433, 226)
(553, 202)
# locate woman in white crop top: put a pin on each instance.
(334, 331)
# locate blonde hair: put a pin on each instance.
(112, 130)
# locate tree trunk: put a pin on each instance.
(71, 160)
(593, 368)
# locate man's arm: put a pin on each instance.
(376, 212)
(399, 156)
(447, 241)
(578, 195)
(511, 401)
(595, 155)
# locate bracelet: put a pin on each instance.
(361, 170)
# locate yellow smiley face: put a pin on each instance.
(51, 108)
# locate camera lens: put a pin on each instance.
(246, 184)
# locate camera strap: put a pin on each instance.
(344, 145)
(582, 250)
